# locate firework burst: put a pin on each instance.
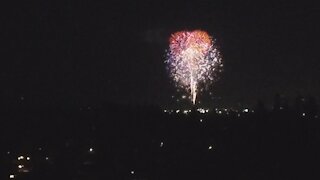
(193, 60)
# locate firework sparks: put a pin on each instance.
(192, 60)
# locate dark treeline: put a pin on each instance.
(145, 143)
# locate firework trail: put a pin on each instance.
(192, 60)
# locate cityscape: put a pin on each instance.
(154, 143)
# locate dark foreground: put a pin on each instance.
(145, 143)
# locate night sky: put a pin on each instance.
(81, 53)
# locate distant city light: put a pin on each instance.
(11, 176)
(303, 114)
(20, 166)
(28, 158)
(20, 157)
(210, 147)
(132, 172)
(246, 110)
(201, 120)
(161, 144)
(202, 111)
(185, 111)
(8, 152)
(91, 150)
(47, 158)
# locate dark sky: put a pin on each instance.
(73, 52)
